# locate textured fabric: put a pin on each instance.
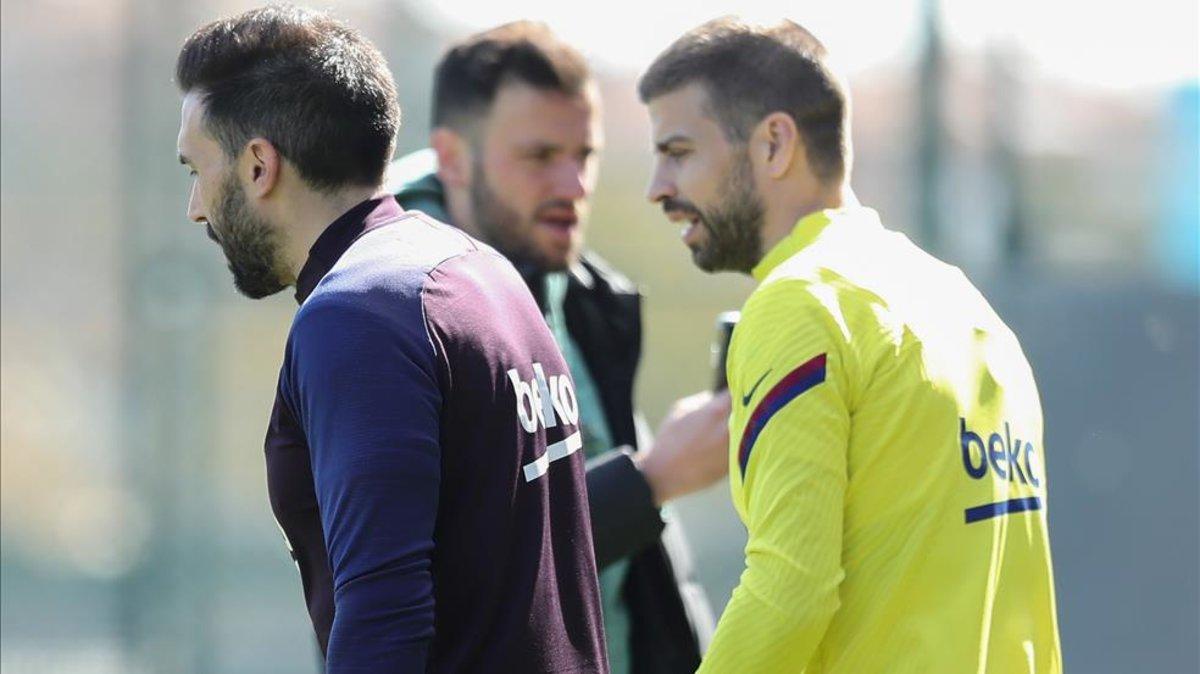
(596, 440)
(422, 459)
(886, 453)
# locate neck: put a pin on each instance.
(308, 214)
(458, 207)
(779, 224)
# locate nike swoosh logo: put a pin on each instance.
(746, 398)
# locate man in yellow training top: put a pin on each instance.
(886, 438)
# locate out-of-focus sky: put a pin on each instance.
(1120, 45)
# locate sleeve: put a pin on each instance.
(793, 457)
(368, 396)
(624, 517)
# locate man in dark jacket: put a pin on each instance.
(513, 159)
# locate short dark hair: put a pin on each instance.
(469, 75)
(749, 72)
(313, 86)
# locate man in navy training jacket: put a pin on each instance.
(513, 160)
(422, 456)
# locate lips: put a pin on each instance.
(558, 222)
(558, 217)
(693, 224)
(692, 232)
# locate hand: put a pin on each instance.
(691, 450)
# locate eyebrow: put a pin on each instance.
(535, 147)
(662, 145)
(540, 146)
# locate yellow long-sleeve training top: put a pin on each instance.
(886, 459)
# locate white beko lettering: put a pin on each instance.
(524, 393)
(570, 404)
(559, 450)
(545, 410)
(546, 402)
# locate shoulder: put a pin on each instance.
(336, 319)
(784, 301)
(364, 331)
(380, 281)
(786, 320)
(787, 325)
(396, 262)
(396, 258)
(841, 290)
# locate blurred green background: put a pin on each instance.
(1050, 149)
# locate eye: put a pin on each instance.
(541, 155)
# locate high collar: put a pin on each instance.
(807, 229)
(338, 236)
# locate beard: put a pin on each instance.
(734, 223)
(250, 245)
(502, 227)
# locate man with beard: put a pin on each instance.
(514, 150)
(422, 454)
(886, 436)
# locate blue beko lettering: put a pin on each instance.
(1014, 456)
(1030, 460)
(1004, 453)
(967, 438)
(997, 456)
(1010, 459)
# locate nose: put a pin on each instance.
(661, 185)
(195, 210)
(571, 180)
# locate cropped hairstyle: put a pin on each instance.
(471, 73)
(318, 90)
(749, 72)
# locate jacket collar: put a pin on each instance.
(338, 236)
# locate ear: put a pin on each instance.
(776, 144)
(261, 167)
(454, 157)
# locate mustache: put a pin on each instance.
(212, 234)
(556, 205)
(673, 205)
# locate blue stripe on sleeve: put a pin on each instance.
(990, 510)
(795, 383)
